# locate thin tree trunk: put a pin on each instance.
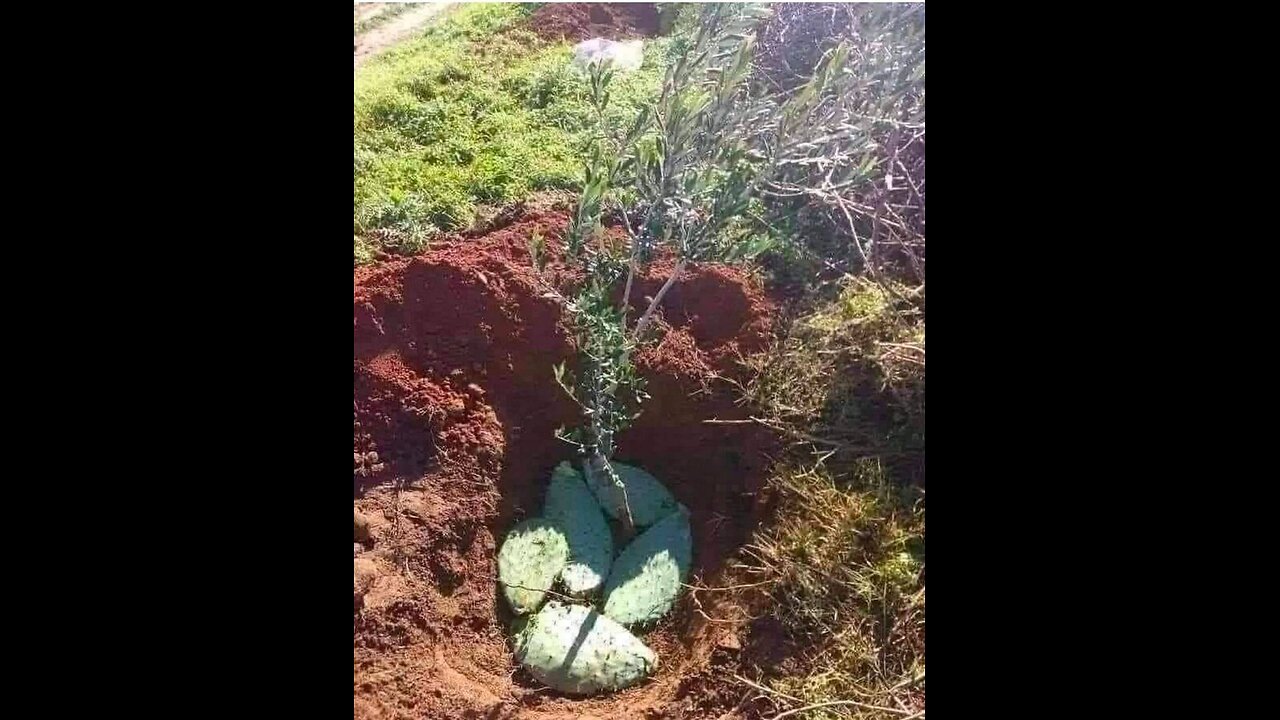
(599, 466)
(657, 299)
(626, 294)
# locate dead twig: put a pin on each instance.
(909, 681)
(697, 607)
(818, 706)
(545, 590)
(902, 345)
(780, 428)
(729, 587)
(833, 703)
(762, 688)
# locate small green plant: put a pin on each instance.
(400, 222)
(538, 251)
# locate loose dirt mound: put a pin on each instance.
(455, 414)
(583, 21)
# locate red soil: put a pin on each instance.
(583, 21)
(455, 415)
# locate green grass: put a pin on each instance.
(475, 110)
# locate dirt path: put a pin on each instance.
(381, 38)
(368, 9)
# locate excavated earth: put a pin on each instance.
(456, 410)
(582, 21)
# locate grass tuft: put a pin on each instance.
(843, 557)
(847, 560)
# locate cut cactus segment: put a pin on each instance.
(649, 499)
(646, 576)
(575, 649)
(573, 507)
(532, 555)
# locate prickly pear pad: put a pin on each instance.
(570, 504)
(575, 649)
(646, 576)
(649, 499)
(532, 555)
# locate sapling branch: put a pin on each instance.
(626, 294)
(657, 299)
(598, 465)
(687, 174)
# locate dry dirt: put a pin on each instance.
(384, 36)
(583, 21)
(366, 10)
(455, 415)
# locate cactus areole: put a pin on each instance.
(578, 642)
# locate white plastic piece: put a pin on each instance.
(625, 56)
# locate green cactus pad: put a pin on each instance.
(571, 505)
(646, 576)
(575, 649)
(650, 501)
(532, 555)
